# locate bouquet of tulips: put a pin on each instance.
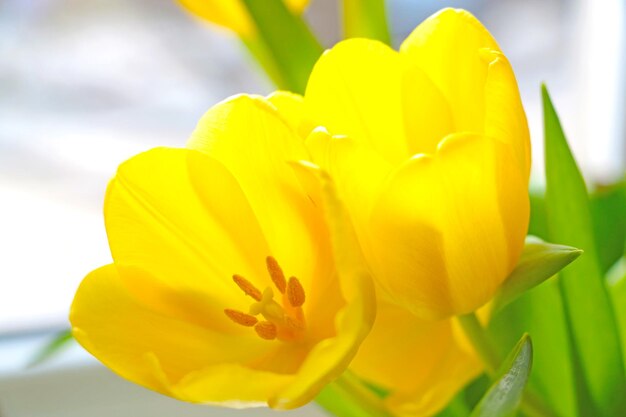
(362, 237)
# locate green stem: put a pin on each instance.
(481, 342)
(265, 59)
(484, 346)
(348, 397)
(366, 398)
(366, 18)
(288, 43)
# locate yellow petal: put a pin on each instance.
(291, 107)
(157, 220)
(255, 143)
(355, 89)
(231, 385)
(428, 117)
(365, 90)
(358, 172)
(231, 14)
(418, 362)
(449, 228)
(446, 46)
(142, 344)
(329, 358)
(505, 118)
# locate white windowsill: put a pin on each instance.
(75, 385)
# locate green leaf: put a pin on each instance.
(590, 317)
(540, 313)
(366, 19)
(505, 395)
(538, 223)
(50, 349)
(616, 278)
(608, 203)
(539, 261)
(608, 209)
(288, 43)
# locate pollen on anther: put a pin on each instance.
(276, 273)
(240, 317)
(295, 292)
(247, 287)
(266, 330)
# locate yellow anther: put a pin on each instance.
(295, 292)
(276, 273)
(247, 287)
(240, 317)
(266, 330)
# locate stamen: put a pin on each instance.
(269, 308)
(295, 292)
(241, 317)
(247, 287)
(283, 320)
(294, 324)
(278, 277)
(266, 330)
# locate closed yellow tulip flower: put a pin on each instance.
(231, 14)
(224, 288)
(430, 152)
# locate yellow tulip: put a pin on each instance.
(430, 152)
(224, 288)
(231, 14)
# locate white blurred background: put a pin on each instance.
(86, 84)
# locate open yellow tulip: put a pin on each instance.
(224, 288)
(435, 160)
(231, 14)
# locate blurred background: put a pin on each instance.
(86, 84)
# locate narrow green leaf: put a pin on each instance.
(540, 313)
(588, 309)
(616, 278)
(505, 395)
(366, 19)
(288, 40)
(539, 261)
(608, 209)
(53, 347)
(538, 223)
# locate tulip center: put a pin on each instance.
(270, 319)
